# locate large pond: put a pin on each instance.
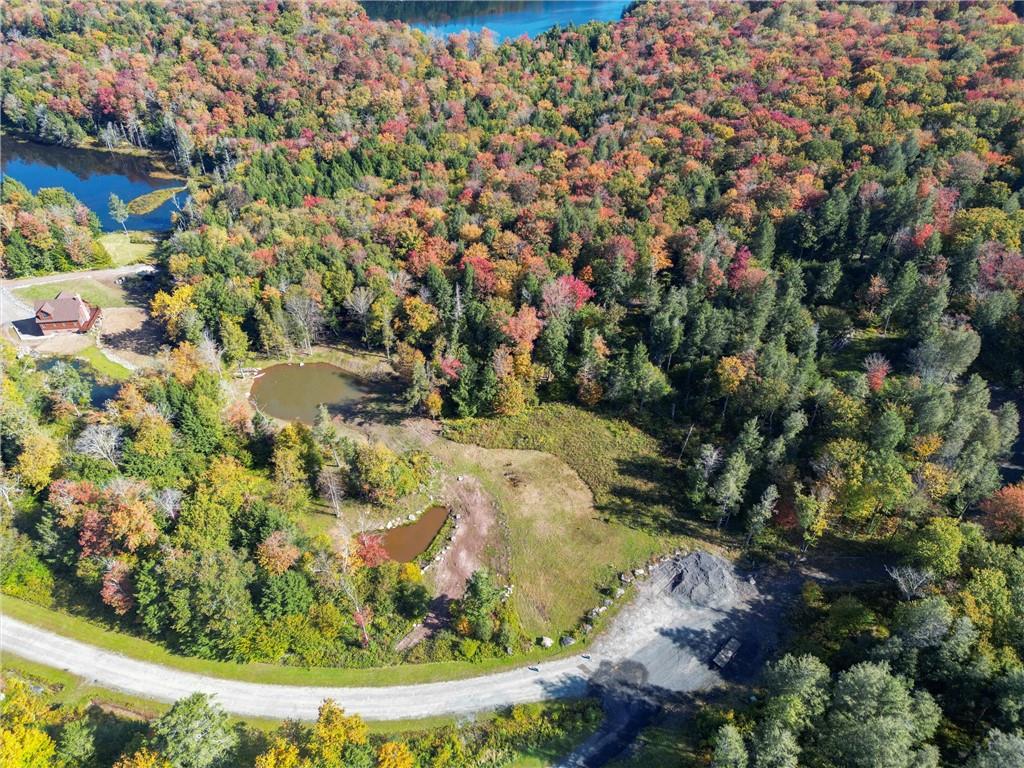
(294, 392)
(91, 176)
(505, 18)
(405, 543)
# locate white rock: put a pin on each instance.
(546, 642)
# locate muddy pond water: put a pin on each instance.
(403, 544)
(294, 392)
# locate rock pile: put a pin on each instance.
(706, 580)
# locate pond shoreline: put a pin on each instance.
(92, 175)
(162, 161)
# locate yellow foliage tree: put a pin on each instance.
(22, 747)
(281, 754)
(22, 742)
(39, 457)
(143, 758)
(183, 363)
(173, 308)
(434, 403)
(732, 372)
(333, 731)
(395, 754)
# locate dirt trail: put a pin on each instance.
(476, 526)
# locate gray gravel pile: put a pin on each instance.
(706, 580)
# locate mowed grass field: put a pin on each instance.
(96, 292)
(123, 251)
(568, 541)
(103, 365)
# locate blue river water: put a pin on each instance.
(89, 175)
(505, 18)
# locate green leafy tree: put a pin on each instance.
(797, 690)
(1001, 750)
(118, 210)
(936, 546)
(730, 751)
(875, 721)
(195, 733)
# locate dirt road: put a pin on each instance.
(660, 641)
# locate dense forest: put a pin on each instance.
(783, 239)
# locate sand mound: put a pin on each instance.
(707, 580)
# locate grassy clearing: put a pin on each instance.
(555, 530)
(562, 551)
(624, 467)
(123, 251)
(93, 633)
(660, 746)
(93, 291)
(863, 343)
(103, 365)
(150, 201)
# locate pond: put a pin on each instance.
(505, 18)
(294, 391)
(101, 391)
(90, 175)
(405, 543)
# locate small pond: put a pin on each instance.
(505, 18)
(91, 176)
(294, 391)
(405, 543)
(101, 391)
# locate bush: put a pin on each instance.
(22, 573)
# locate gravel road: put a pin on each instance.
(662, 640)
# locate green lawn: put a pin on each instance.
(93, 291)
(664, 745)
(104, 366)
(123, 251)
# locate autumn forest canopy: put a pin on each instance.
(780, 242)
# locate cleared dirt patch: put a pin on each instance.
(132, 335)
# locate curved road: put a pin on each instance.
(657, 641)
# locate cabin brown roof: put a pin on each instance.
(66, 307)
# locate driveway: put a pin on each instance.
(13, 309)
(661, 642)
